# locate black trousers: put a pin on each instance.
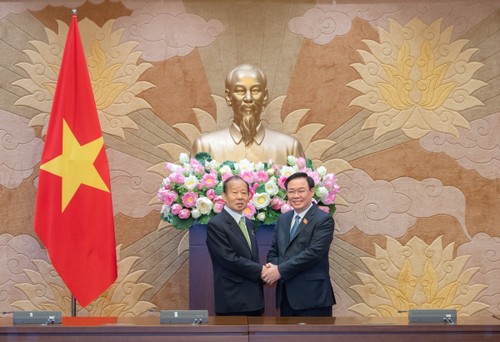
(287, 310)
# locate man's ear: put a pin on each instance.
(266, 97)
(228, 98)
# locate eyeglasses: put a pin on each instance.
(299, 192)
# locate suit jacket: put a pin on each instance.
(236, 267)
(303, 262)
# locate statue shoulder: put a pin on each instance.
(280, 135)
(288, 144)
(210, 136)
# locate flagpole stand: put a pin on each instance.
(73, 306)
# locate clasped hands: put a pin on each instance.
(270, 273)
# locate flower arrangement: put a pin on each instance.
(193, 189)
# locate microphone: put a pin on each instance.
(448, 320)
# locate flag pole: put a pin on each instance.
(73, 299)
(73, 306)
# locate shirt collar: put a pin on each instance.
(235, 133)
(237, 216)
(302, 214)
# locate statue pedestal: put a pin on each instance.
(201, 284)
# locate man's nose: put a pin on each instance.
(248, 96)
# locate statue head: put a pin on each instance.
(246, 93)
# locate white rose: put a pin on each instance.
(245, 165)
(224, 169)
(261, 200)
(165, 210)
(259, 166)
(321, 171)
(261, 216)
(184, 158)
(291, 160)
(287, 171)
(204, 205)
(191, 182)
(321, 192)
(271, 187)
(195, 213)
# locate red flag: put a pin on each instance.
(74, 213)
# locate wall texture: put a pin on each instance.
(400, 99)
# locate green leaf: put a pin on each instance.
(333, 208)
(181, 224)
(309, 164)
(204, 219)
(202, 157)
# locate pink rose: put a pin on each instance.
(218, 206)
(285, 208)
(281, 181)
(324, 208)
(189, 199)
(277, 203)
(176, 178)
(300, 162)
(184, 214)
(247, 176)
(226, 176)
(176, 208)
(249, 211)
(209, 180)
(315, 176)
(210, 194)
(261, 176)
(329, 181)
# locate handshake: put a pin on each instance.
(270, 273)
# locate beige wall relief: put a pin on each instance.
(163, 29)
(391, 208)
(417, 275)
(16, 139)
(417, 80)
(325, 21)
(114, 70)
(484, 251)
(46, 291)
(475, 149)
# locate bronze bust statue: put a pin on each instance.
(246, 137)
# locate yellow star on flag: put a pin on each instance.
(76, 165)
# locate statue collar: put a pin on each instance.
(235, 133)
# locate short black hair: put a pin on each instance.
(233, 178)
(310, 181)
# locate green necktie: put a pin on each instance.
(244, 229)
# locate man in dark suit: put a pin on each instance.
(298, 258)
(235, 257)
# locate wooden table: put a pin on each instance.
(133, 329)
(338, 329)
(253, 329)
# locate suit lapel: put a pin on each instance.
(305, 221)
(234, 226)
(253, 239)
(286, 229)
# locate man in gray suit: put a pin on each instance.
(235, 258)
(298, 258)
